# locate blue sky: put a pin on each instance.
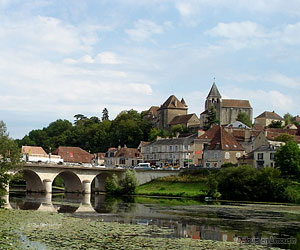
(61, 58)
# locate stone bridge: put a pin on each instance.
(79, 179)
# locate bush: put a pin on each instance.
(248, 183)
(129, 183)
(125, 186)
(112, 185)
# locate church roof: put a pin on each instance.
(232, 103)
(173, 102)
(214, 92)
(270, 115)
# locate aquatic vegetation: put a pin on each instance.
(41, 230)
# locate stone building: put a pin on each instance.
(180, 151)
(227, 109)
(171, 108)
(172, 112)
(223, 148)
(266, 118)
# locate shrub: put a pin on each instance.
(112, 185)
(129, 183)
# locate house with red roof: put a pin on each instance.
(38, 154)
(222, 148)
(266, 118)
(74, 155)
(123, 157)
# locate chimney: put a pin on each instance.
(177, 134)
(247, 135)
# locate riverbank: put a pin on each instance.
(42, 230)
(173, 189)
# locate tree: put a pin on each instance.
(287, 159)
(78, 118)
(129, 183)
(285, 137)
(288, 118)
(105, 114)
(275, 124)
(178, 128)
(244, 118)
(10, 156)
(211, 118)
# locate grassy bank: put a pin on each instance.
(20, 229)
(176, 186)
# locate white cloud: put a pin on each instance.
(193, 8)
(291, 34)
(108, 57)
(143, 30)
(237, 30)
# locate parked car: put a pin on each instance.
(143, 166)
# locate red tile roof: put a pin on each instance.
(33, 150)
(101, 155)
(270, 115)
(73, 154)
(153, 110)
(222, 140)
(231, 103)
(209, 134)
(128, 153)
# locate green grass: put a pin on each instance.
(177, 189)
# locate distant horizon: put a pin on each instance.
(59, 59)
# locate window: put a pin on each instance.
(186, 147)
(176, 148)
(260, 156)
(170, 148)
(272, 155)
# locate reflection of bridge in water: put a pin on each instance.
(78, 179)
(84, 205)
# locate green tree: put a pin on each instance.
(244, 118)
(177, 129)
(10, 156)
(211, 118)
(285, 137)
(288, 118)
(105, 115)
(112, 185)
(275, 124)
(287, 159)
(129, 183)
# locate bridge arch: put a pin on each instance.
(33, 181)
(72, 181)
(98, 183)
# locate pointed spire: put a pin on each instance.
(214, 92)
(183, 102)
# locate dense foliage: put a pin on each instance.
(250, 184)
(126, 186)
(244, 118)
(92, 134)
(287, 158)
(9, 157)
(211, 118)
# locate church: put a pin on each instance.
(227, 109)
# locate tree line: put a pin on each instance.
(92, 134)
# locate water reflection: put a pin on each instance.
(175, 214)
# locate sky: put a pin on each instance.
(59, 58)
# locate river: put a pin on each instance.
(219, 221)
